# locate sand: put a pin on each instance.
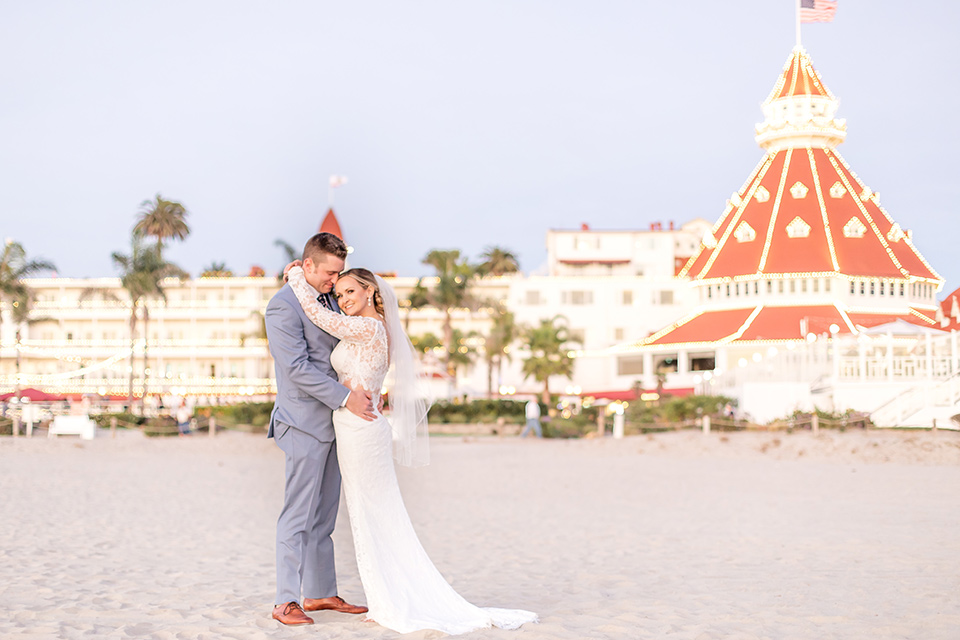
(680, 535)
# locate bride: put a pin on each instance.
(405, 592)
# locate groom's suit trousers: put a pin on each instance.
(302, 426)
(310, 502)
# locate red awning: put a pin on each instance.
(35, 395)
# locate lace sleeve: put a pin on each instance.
(348, 328)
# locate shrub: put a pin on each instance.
(124, 420)
(244, 414)
(484, 411)
(160, 426)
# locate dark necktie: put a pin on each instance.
(325, 301)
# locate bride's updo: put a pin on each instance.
(367, 280)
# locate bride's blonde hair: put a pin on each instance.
(367, 280)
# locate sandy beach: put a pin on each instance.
(678, 535)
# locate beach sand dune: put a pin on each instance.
(679, 535)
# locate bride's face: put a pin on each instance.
(352, 296)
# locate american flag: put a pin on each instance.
(817, 10)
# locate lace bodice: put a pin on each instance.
(360, 359)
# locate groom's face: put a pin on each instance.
(322, 273)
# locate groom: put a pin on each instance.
(302, 426)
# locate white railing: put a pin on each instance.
(896, 368)
(198, 343)
(895, 411)
(850, 359)
(119, 386)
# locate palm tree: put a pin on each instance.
(162, 219)
(425, 343)
(418, 299)
(548, 353)
(452, 291)
(141, 275)
(464, 349)
(498, 261)
(216, 270)
(288, 251)
(21, 316)
(14, 267)
(503, 332)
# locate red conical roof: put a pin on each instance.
(331, 225)
(802, 216)
(804, 212)
(765, 323)
(799, 78)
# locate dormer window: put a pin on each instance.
(744, 233)
(854, 228)
(798, 228)
(799, 190)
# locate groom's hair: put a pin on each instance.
(324, 243)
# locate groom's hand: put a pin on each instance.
(359, 404)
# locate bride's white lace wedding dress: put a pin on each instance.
(404, 590)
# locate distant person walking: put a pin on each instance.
(532, 412)
(183, 419)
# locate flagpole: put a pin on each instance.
(797, 7)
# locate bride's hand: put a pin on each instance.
(286, 269)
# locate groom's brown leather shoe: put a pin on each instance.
(336, 603)
(291, 614)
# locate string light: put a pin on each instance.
(776, 210)
(823, 209)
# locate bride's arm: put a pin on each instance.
(349, 328)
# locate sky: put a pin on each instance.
(459, 125)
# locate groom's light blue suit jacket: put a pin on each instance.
(307, 387)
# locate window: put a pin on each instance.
(533, 297)
(577, 297)
(803, 285)
(703, 362)
(872, 287)
(863, 287)
(853, 287)
(575, 335)
(816, 285)
(780, 286)
(583, 243)
(769, 286)
(630, 365)
(666, 297)
(826, 284)
(627, 298)
(666, 364)
(618, 333)
(793, 286)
